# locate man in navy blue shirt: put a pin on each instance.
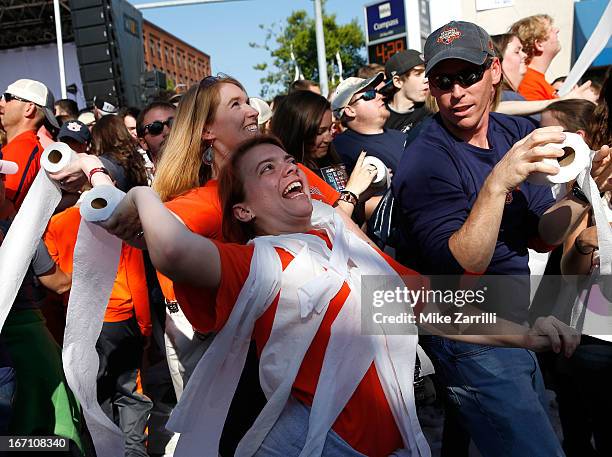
(466, 208)
(361, 109)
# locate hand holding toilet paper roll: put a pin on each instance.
(99, 203)
(57, 157)
(576, 158)
(382, 178)
(115, 211)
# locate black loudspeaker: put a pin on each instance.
(108, 37)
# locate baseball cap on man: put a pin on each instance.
(105, 105)
(349, 87)
(458, 40)
(402, 62)
(8, 168)
(37, 93)
(75, 130)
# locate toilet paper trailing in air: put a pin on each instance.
(96, 259)
(29, 225)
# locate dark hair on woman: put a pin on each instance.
(231, 189)
(573, 115)
(500, 43)
(111, 138)
(296, 123)
(600, 128)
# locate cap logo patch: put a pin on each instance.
(449, 35)
(73, 126)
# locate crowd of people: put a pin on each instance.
(248, 231)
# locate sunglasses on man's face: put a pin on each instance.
(465, 78)
(367, 96)
(157, 127)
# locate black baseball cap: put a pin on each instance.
(458, 40)
(105, 105)
(75, 130)
(402, 62)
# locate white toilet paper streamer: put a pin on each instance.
(602, 277)
(597, 42)
(96, 259)
(29, 224)
(577, 158)
(382, 173)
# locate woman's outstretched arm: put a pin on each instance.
(175, 251)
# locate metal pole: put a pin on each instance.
(60, 48)
(321, 48)
(146, 6)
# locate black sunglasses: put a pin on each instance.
(157, 127)
(367, 96)
(465, 78)
(8, 97)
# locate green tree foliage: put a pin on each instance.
(298, 33)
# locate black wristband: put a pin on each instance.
(578, 194)
(348, 197)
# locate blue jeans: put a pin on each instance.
(288, 436)
(499, 396)
(7, 392)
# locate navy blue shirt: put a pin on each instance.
(387, 146)
(437, 183)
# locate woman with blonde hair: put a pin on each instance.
(212, 118)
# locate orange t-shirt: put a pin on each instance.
(535, 87)
(200, 210)
(25, 150)
(366, 421)
(129, 295)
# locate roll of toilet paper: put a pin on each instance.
(382, 173)
(576, 159)
(56, 156)
(100, 202)
(8, 167)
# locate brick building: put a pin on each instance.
(181, 62)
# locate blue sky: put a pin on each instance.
(224, 30)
